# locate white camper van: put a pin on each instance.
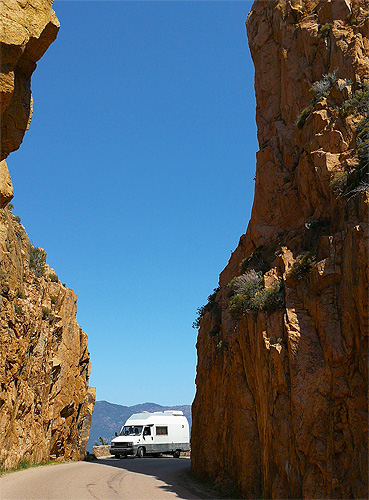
(153, 433)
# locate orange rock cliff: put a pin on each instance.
(45, 401)
(281, 406)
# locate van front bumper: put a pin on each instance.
(123, 450)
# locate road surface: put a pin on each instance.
(105, 479)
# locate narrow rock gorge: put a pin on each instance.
(281, 407)
(45, 400)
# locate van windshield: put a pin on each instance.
(131, 430)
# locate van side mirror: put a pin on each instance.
(116, 434)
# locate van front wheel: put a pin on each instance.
(140, 452)
(176, 454)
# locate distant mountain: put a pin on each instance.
(108, 418)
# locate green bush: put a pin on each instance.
(269, 299)
(37, 261)
(53, 277)
(303, 265)
(238, 306)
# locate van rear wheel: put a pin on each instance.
(140, 452)
(176, 454)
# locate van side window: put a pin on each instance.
(161, 431)
(147, 431)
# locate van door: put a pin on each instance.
(148, 438)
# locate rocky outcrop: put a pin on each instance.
(27, 28)
(45, 401)
(281, 403)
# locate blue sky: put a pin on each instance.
(136, 177)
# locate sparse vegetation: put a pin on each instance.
(53, 299)
(303, 265)
(303, 116)
(252, 295)
(102, 442)
(358, 105)
(255, 260)
(26, 464)
(208, 307)
(53, 277)
(47, 314)
(339, 182)
(37, 261)
(269, 299)
(320, 88)
(222, 344)
(20, 294)
(324, 30)
(17, 308)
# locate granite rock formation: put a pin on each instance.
(281, 407)
(45, 401)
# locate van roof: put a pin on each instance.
(146, 415)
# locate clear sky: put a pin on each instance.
(136, 177)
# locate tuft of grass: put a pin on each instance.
(54, 299)
(304, 115)
(17, 308)
(324, 30)
(20, 294)
(47, 314)
(53, 277)
(339, 183)
(222, 344)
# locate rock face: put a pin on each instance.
(27, 28)
(281, 403)
(45, 401)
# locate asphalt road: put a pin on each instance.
(105, 479)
